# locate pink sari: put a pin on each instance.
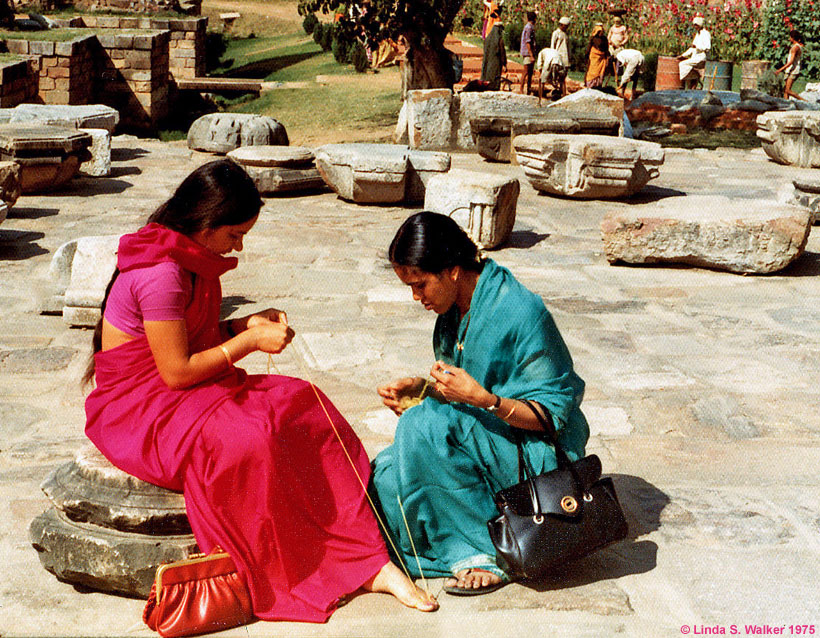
(262, 471)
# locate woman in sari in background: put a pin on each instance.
(598, 55)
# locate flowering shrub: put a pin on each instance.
(781, 17)
(740, 29)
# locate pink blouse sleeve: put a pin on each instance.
(162, 292)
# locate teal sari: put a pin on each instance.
(448, 460)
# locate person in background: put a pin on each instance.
(494, 62)
(598, 56)
(617, 37)
(560, 43)
(792, 64)
(632, 63)
(693, 60)
(528, 52)
(490, 7)
(551, 72)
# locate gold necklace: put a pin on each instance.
(460, 344)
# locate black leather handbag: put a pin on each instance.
(550, 519)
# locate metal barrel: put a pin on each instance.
(668, 76)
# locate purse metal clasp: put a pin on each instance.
(569, 504)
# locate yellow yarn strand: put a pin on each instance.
(412, 544)
(353, 465)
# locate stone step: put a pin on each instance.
(216, 85)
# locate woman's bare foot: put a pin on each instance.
(468, 579)
(391, 580)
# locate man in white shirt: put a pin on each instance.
(693, 60)
(551, 71)
(560, 43)
(632, 63)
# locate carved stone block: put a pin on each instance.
(494, 135)
(80, 271)
(100, 163)
(791, 137)
(223, 132)
(277, 169)
(49, 156)
(108, 530)
(378, 173)
(587, 166)
(483, 204)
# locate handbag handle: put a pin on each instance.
(550, 436)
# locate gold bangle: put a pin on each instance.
(510, 413)
(227, 355)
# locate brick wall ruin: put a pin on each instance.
(128, 63)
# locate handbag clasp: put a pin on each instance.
(569, 504)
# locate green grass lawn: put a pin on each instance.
(293, 57)
(345, 106)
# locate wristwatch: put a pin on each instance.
(494, 407)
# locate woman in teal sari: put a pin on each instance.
(495, 345)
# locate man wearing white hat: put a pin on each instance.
(560, 44)
(693, 60)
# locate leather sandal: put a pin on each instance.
(454, 590)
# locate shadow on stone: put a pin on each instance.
(650, 193)
(807, 265)
(525, 239)
(233, 302)
(643, 504)
(90, 186)
(16, 245)
(127, 154)
(263, 68)
(23, 212)
(122, 171)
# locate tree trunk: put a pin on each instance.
(6, 13)
(426, 67)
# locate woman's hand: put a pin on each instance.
(393, 393)
(271, 336)
(268, 315)
(456, 385)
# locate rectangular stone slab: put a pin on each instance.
(67, 115)
(33, 140)
(494, 135)
(742, 236)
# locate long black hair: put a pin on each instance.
(432, 243)
(219, 193)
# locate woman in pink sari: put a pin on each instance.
(263, 473)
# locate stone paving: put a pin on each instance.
(701, 394)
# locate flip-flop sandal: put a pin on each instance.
(475, 591)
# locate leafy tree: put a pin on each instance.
(422, 24)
